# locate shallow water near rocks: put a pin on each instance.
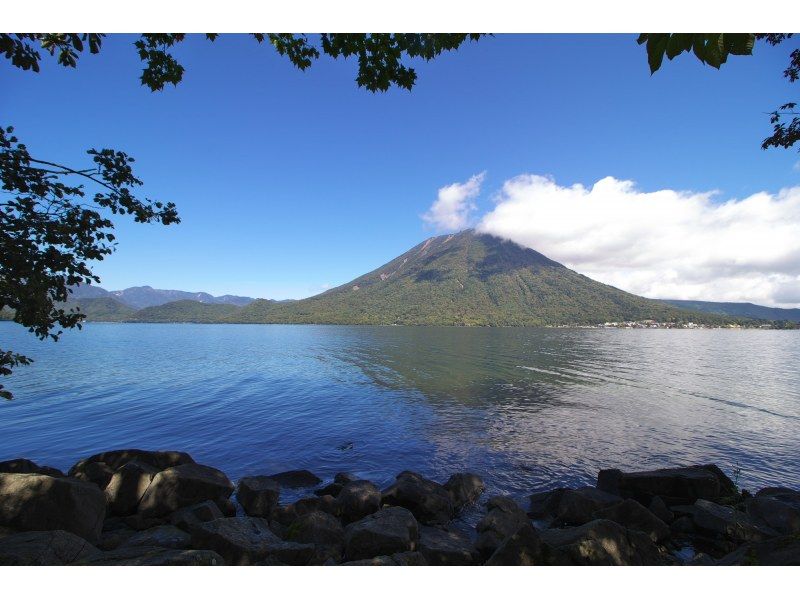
(527, 409)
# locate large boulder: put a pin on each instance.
(127, 487)
(258, 495)
(681, 485)
(388, 531)
(96, 473)
(734, 525)
(632, 515)
(165, 536)
(28, 466)
(116, 459)
(34, 502)
(780, 551)
(357, 499)
(600, 542)
(285, 515)
(316, 527)
(398, 559)
(567, 506)
(242, 540)
(182, 486)
(193, 515)
(152, 556)
(464, 489)
(523, 547)
(504, 517)
(446, 547)
(429, 501)
(777, 508)
(297, 478)
(55, 547)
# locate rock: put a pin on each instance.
(523, 547)
(344, 478)
(600, 542)
(239, 540)
(299, 478)
(357, 499)
(258, 495)
(734, 525)
(316, 527)
(776, 508)
(504, 518)
(464, 489)
(116, 459)
(293, 553)
(287, 514)
(182, 486)
(388, 531)
(35, 502)
(111, 539)
(682, 485)
(188, 517)
(780, 551)
(400, 558)
(140, 522)
(28, 466)
(428, 501)
(632, 515)
(226, 506)
(98, 474)
(331, 489)
(445, 547)
(660, 509)
(566, 506)
(682, 526)
(127, 486)
(55, 547)
(165, 536)
(151, 556)
(701, 559)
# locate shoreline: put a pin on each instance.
(135, 507)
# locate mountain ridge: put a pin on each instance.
(141, 297)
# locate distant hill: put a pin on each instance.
(470, 279)
(102, 309)
(185, 311)
(145, 296)
(743, 310)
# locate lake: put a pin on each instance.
(527, 409)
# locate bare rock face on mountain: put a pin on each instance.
(35, 502)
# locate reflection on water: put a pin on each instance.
(525, 408)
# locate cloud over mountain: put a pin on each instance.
(454, 205)
(666, 243)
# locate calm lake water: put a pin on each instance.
(525, 408)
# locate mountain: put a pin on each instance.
(470, 279)
(744, 310)
(102, 309)
(141, 297)
(185, 311)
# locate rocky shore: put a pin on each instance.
(134, 507)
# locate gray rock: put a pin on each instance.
(682, 485)
(660, 509)
(34, 502)
(28, 466)
(116, 459)
(55, 547)
(98, 474)
(428, 501)
(504, 517)
(239, 540)
(165, 536)
(357, 499)
(566, 506)
(446, 547)
(728, 522)
(464, 489)
(127, 487)
(523, 547)
(600, 542)
(114, 538)
(316, 527)
(258, 495)
(388, 531)
(288, 514)
(777, 508)
(633, 515)
(344, 478)
(780, 551)
(152, 556)
(298, 478)
(181, 486)
(398, 559)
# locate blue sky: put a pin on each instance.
(288, 181)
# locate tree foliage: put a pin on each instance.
(55, 219)
(713, 49)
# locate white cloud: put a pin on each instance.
(453, 206)
(663, 244)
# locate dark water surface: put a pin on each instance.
(525, 408)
